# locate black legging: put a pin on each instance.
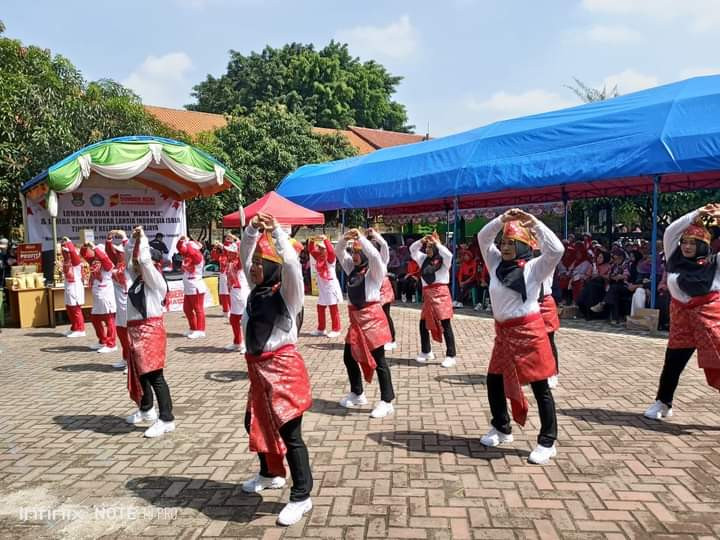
(546, 408)
(615, 297)
(297, 458)
(551, 337)
(387, 394)
(675, 362)
(409, 287)
(155, 381)
(391, 324)
(447, 334)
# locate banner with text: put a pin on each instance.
(103, 210)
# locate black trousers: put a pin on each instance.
(546, 408)
(391, 324)
(382, 371)
(616, 296)
(675, 362)
(297, 458)
(408, 287)
(447, 334)
(551, 337)
(155, 381)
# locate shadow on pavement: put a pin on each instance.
(326, 346)
(205, 349)
(102, 423)
(438, 443)
(76, 368)
(226, 376)
(410, 362)
(333, 408)
(67, 349)
(462, 378)
(175, 335)
(608, 417)
(217, 500)
(46, 334)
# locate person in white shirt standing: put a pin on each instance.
(115, 246)
(74, 288)
(435, 261)
(364, 352)
(194, 287)
(323, 258)
(387, 294)
(238, 289)
(521, 353)
(693, 280)
(148, 340)
(279, 383)
(103, 292)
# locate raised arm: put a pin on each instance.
(551, 251)
(342, 255)
(376, 267)
(671, 238)
(105, 262)
(445, 253)
(384, 250)
(72, 251)
(292, 287)
(486, 241)
(247, 248)
(416, 252)
(150, 274)
(331, 257)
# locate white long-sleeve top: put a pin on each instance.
(671, 243)
(384, 249)
(506, 303)
(442, 275)
(376, 268)
(292, 288)
(155, 285)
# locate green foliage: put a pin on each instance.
(47, 111)
(329, 87)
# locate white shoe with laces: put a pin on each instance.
(424, 357)
(333, 334)
(140, 416)
(67, 333)
(96, 346)
(658, 411)
(259, 482)
(76, 334)
(352, 400)
(120, 365)
(159, 428)
(553, 381)
(542, 454)
(382, 409)
(449, 362)
(495, 438)
(390, 346)
(188, 332)
(105, 349)
(231, 347)
(293, 512)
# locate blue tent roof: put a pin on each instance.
(669, 130)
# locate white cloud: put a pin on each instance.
(629, 81)
(502, 105)
(162, 80)
(699, 72)
(612, 35)
(397, 40)
(699, 15)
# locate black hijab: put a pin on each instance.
(510, 273)
(695, 275)
(430, 266)
(356, 282)
(266, 309)
(136, 291)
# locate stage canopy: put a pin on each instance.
(286, 212)
(609, 148)
(172, 168)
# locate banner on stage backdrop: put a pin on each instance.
(176, 295)
(103, 210)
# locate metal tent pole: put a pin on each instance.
(655, 203)
(455, 244)
(565, 212)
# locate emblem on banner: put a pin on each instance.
(77, 199)
(97, 200)
(114, 199)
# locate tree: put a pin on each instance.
(47, 111)
(329, 87)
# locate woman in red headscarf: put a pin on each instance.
(564, 272)
(220, 255)
(194, 287)
(580, 270)
(323, 259)
(115, 245)
(693, 280)
(522, 353)
(103, 292)
(74, 288)
(239, 290)
(467, 275)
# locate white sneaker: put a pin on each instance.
(424, 357)
(241, 348)
(318, 333)
(66, 333)
(478, 307)
(259, 483)
(105, 349)
(658, 411)
(120, 365)
(331, 335)
(390, 346)
(542, 455)
(76, 334)
(382, 409)
(597, 308)
(96, 346)
(231, 347)
(140, 416)
(553, 381)
(353, 400)
(125, 371)
(495, 438)
(159, 428)
(196, 334)
(457, 304)
(187, 333)
(449, 361)
(293, 512)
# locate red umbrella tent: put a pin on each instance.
(285, 211)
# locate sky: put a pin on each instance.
(465, 63)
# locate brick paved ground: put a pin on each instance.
(67, 456)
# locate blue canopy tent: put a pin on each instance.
(628, 145)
